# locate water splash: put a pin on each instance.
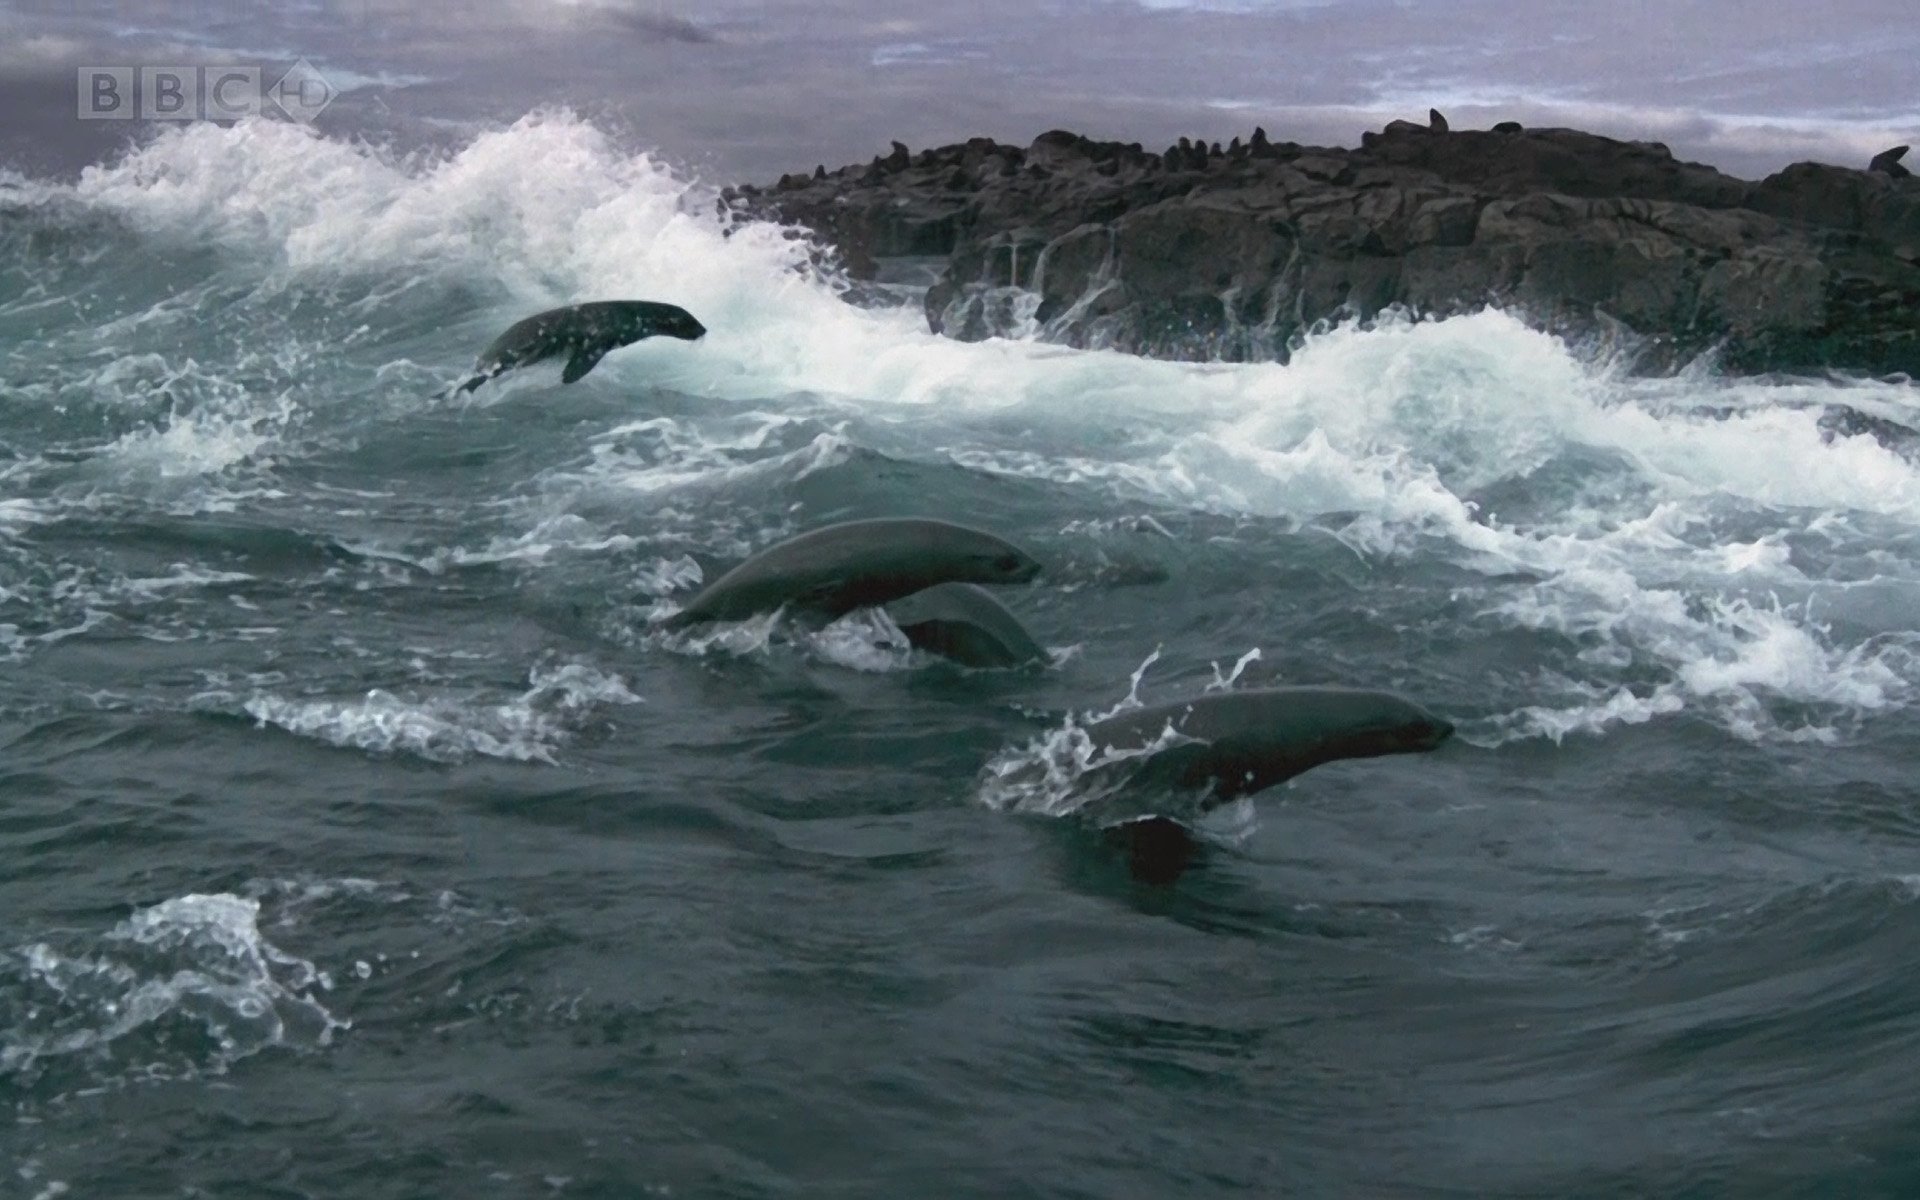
(183, 989)
(529, 727)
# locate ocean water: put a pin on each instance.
(361, 837)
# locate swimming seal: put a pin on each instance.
(1239, 743)
(829, 572)
(582, 332)
(963, 622)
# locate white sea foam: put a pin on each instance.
(1407, 437)
(658, 457)
(735, 638)
(558, 534)
(864, 640)
(1062, 771)
(178, 424)
(189, 446)
(529, 727)
(182, 989)
(17, 512)
(664, 576)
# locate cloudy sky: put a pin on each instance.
(746, 89)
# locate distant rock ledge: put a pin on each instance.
(1233, 252)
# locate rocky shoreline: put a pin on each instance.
(1232, 252)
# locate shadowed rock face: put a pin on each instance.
(1199, 253)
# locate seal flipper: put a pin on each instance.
(1179, 767)
(962, 643)
(1887, 162)
(1158, 849)
(582, 361)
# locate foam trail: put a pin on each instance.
(528, 728)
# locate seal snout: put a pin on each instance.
(1017, 567)
(1431, 732)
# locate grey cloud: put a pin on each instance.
(746, 89)
(667, 28)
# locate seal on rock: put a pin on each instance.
(1887, 162)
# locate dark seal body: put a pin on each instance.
(963, 622)
(829, 572)
(1242, 742)
(1887, 162)
(583, 333)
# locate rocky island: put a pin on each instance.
(1232, 252)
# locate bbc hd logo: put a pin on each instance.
(226, 93)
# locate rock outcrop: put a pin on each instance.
(1200, 252)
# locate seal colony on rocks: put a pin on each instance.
(584, 333)
(1194, 254)
(829, 572)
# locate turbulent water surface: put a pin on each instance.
(362, 837)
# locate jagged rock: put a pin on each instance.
(1435, 122)
(1233, 256)
(1841, 421)
(1867, 203)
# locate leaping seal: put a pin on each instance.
(1238, 743)
(582, 332)
(963, 622)
(828, 572)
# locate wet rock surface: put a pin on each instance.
(1204, 251)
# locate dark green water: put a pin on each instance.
(360, 838)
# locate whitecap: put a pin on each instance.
(184, 988)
